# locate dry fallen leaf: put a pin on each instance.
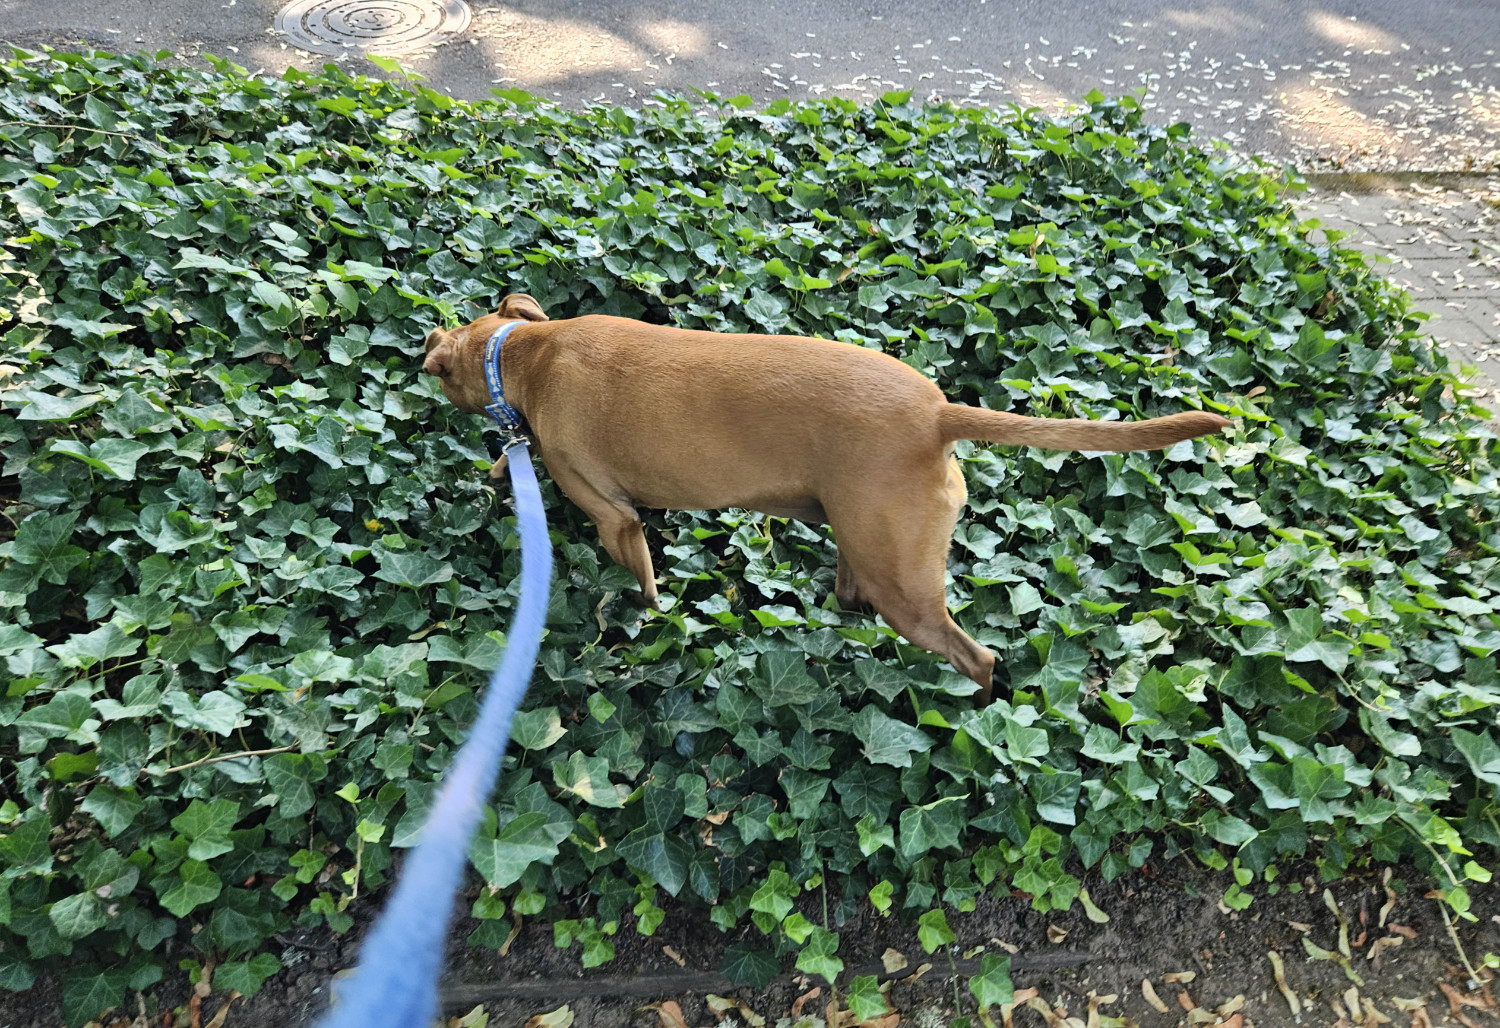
(1456, 1002)
(1280, 972)
(675, 957)
(667, 1010)
(1054, 1020)
(515, 930)
(727, 1007)
(1185, 1001)
(1056, 934)
(892, 960)
(919, 972)
(562, 1017)
(1010, 948)
(1018, 999)
(476, 1018)
(1179, 977)
(1299, 926)
(1095, 1002)
(1231, 1007)
(1373, 1016)
(1151, 996)
(1401, 929)
(217, 1021)
(1092, 912)
(1381, 944)
(803, 1000)
(1457, 999)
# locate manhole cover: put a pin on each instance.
(370, 26)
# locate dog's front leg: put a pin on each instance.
(497, 469)
(619, 528)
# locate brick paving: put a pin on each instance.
(1442, 246)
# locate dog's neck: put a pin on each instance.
(511, 368)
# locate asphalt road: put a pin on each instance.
(1371, 85)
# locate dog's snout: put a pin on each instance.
(434, 365)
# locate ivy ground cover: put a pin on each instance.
(252, 573)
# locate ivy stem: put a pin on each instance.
(75, 128)
(1453, 934)
(224, 756)
(1443, 903)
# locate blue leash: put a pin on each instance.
(395, 983)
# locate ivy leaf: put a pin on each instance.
(216, 711)
(817, 955)
(192, 886)
(46, 407)
(886, 740)
(1107, 747)
(523, 841)
(865, 999)
(665, 857)
(537, 729)
(992, 986)
(886, 681)
(291, 777)
(587, 778)
(933, 826)
(207, 825)
(1056, 794)
(114, 809)
(91, 648)
(78, 916)
(88, 993)
(246, 976)
(1315, 784)
(783, 680)
(412, 570)
(116, 457)
(1479, 749)
(933, 930)
(775, 896)
(747, 965)
(42, 543)
(24, 847)
(16, 975)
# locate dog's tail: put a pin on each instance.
(959, 421)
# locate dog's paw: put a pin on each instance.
(640, 599)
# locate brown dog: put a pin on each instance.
(627, 414)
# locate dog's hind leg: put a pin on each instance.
(917, 608)
(846, 589)
(619, 528)
(898, 555)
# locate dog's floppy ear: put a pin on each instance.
(521, 305)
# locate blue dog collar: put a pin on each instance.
(506, 416)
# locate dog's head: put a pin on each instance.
(456, 357)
